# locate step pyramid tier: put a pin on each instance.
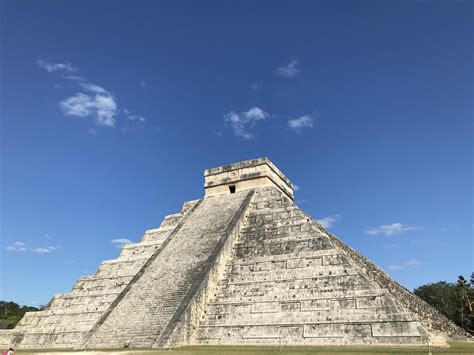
(291, 282)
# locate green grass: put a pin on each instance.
(456, 347)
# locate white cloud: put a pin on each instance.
(296, 187)
(136, 117)
(20, 246)
(329, 221)
(74, 77)
(289, 71)
(242, 122)
(94, 88)
(120, 242)
(95, 101)
(390, 246)
(101, 107)
(53, 67)
(256, 86)
(17, 246)
(390, 229)
(255, 114)
(298, 124)
(132, 117)
(411, 264)
(43, 250)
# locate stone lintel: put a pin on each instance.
(245, 175)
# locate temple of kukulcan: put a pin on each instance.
(244, 265)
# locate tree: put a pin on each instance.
(454, 300)
(11, 313)
(443, 297)
(466, 301)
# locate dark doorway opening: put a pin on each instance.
(232, 189)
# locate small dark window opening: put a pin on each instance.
(232, 189)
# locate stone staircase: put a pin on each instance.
(153, 305)
(69, 317)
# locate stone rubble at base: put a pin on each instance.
(242, 266)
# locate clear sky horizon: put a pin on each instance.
(111, 110)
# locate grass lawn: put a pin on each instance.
(456, 347)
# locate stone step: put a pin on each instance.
(305, 317)
(333, 252)
(290, 270)
(283, 295)
(288, 248)
(315, 334)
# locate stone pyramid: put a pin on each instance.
(244, 265)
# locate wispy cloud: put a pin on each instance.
(288, 71)
(44, 250)
(22, 247)
(256, 86)
(74, 77)
(298, 124)
(133, 117)
(296, 187)
(329, 221)
(50, 67)
(390, 229)
(411, 264)
(93, 101)
(242, 122)
(17, 246)
(120, 242)
(102, 107)
(94, 88)
(390, 246)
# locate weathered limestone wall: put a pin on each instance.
(249, 174)
(430, 318)
(288, 282)
(143, 315)
(69, 317)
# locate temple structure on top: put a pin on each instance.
(246, 175)
(241, 266)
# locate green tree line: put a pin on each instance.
(454, 300)
(11, 313)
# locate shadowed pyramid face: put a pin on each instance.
(242, 266)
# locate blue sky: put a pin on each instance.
(111, 110)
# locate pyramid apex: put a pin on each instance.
(245, 175)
